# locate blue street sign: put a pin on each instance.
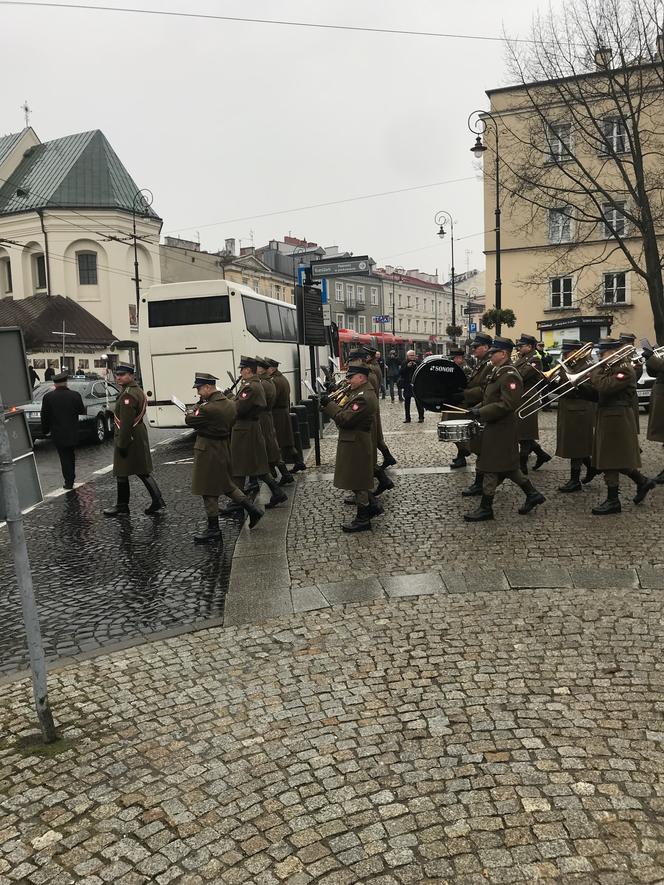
(381, 319)
(472, 327)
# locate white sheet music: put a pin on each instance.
(178, 402)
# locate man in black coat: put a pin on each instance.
(406, 376)
(59, 417)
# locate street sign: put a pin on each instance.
(15, 384)
(327, 315)
(472, 308)
(472, 327)
(332, 267)
(381, 319)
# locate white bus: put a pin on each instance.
(207, 326)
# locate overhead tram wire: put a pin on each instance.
(325, 26)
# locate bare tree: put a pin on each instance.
(585, 139)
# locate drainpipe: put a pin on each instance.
(47, 262)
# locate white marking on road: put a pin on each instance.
(101, 470)
(181, 461)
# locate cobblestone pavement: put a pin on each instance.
(423, 527)
(100, 581)
(466, 738)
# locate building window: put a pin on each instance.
(615, 288)
(417, 303)
(417, 325)
(349, 290)
(374, 295)
(409, 324)
(409, 304)
(340, 321)
(360, 294)
(339, 291)
(39, 271)
(559, 137)
(614, 131)
(6, 276)
(400, 304)
(615, 223)
(87, 268)
(560, 289)
(350, 324)
(361, 324)
(560, 226)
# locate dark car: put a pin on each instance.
(98, 397)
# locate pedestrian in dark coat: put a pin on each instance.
(655, 367)
(406, 373)
(34, 377)
(499, 455)
(131, 452)
(392, 372)
(212, 419)
(529, 366)
(59, 418)
(49, 374)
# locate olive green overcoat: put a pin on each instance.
(131, 434)
(473, 393)
(655, 367)
(616, 442)
(527, 367)
(575, 422)
(356, 450)
(281, 412)
(248, 453)
(212, 419)
(500, 445)
(266, 422)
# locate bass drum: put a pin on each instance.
(436, 381)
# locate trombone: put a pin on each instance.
(573, 380)
(547, 377)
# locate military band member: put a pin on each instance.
(267, 424)
(376, 378)
(574, 427)
(499, 455)
(655, 367)
(458, 357)
(282, 419)
(212, 419)
(528, 364)
(616, 442)
(131, 447)
(472, 395)
(362, 358)
(630, 338)
(356, 450)
(248, 451)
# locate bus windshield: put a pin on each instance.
(189, 311)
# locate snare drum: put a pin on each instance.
(458, 431)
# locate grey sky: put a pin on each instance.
(223, 120)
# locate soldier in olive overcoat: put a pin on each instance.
(363, 358)
(248, 451)
(131, 452)
(574, 425)
(655, 367)
(630, 338)
(528, 364)
(376, 379)
(282, 420)
(472, 396)
(272, 446)
(354, 465)
(499, 454)
(212, 419)
(616, 442)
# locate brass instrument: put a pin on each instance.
(575, 357)
(573, 380)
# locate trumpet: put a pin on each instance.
(573, 380)
(547, 377)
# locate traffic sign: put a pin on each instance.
(381, 319)
(472, 327)
(331, 267)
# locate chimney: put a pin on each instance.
(660, 45)
(229, 246)
(603, 56)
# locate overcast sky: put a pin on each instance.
(223, 120)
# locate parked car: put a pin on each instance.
(98, 397)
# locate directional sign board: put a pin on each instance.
(381, 319)
(335, 267)
(15, 387)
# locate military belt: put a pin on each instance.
(212, 436)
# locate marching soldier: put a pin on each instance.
(630, 338)
(131, 452)
(282, 419)
(459, 359)
(362, 358)
(212, 419)
(499, 455)
(248, 452)
(655, 367)
(376, 378)
(616, 442)
(528, 365)
(356, 450)
(472, 395)
(574, 428)
(274, 458)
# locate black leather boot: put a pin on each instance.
(541, 457)
(643, 487)
(591, 472)
(361, 523)
(299, 465)
(523, 464)
(122, 501)
(350, 500)
(384, 482)
(211, 533)
(278, 497)
(610, 505)
(574, 482)
(286, 476)
(483, 511)
(158, 502)
(533, 498)
(254, 512)
(375, 507)
(388, 459)
(476, 488)
(459, 461)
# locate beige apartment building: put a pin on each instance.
(563, 273)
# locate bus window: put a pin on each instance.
(276, 333)
(189, 311)
(288, 324)
(255, 315)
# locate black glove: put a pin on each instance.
(323, 399)
(474, 411)
(123, 452)
(329, 385)
(647, 353)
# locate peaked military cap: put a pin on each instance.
(526, 339)
(456, 351)
(357, 370)
(609, 344)
(204, 378)
(248, 362)
(124, 367)
(272, 363)
(481, 338)
(570, 344)
(500, 343)
(60, 377)
(262, 362)
(357, 355)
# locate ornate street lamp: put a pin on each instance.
(440, 219)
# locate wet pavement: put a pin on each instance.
(101, 581)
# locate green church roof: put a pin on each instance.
(78, 171)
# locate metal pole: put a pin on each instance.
(454, 337)
(314, 373)
(14, 519)
(136, 280)
(499, 283)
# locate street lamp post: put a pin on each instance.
(477, 123)
(440, 219)
(141, 203)
(396, 274)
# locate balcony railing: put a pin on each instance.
(353, 303)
